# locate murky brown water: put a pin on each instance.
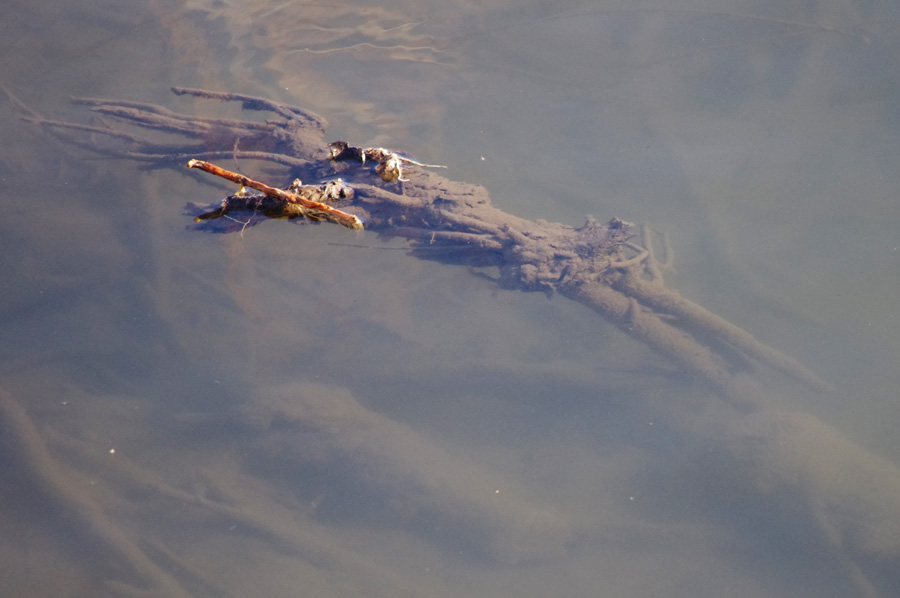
(300, 411)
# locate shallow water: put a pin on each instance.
(382, 425)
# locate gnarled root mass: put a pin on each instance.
(394, 195)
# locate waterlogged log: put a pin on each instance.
(397, 196)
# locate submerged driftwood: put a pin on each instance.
(388, 193)
(778, 459)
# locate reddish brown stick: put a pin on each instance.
(315, 208)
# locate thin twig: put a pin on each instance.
(312, 208)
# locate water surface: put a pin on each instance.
(381, 425)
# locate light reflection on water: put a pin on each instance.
(365, 423)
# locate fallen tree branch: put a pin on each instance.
(450, 221)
